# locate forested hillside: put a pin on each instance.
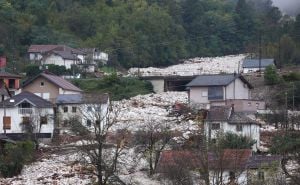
(150, 32)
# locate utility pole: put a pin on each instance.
(260, 52)
(286, 111)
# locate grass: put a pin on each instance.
(118, 87)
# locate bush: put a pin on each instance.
(271, 76)
(234, 141)
(14, 158)
(77, 127)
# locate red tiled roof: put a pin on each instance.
(57, 80)
(228, 159)
(4, 74)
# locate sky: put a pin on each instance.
(288, 6)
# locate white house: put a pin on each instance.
(56, 54)
(224, 119)
(49, 86)
(206, 88)
(253, 65)
(87, 109)
(23, 109)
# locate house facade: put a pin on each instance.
(224, 119)
(206, 88)
(23, 110)
(85, 108)
(56, 54)
(254, 65)
(228, 166)
(49, 86)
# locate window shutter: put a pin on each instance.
(6, 122)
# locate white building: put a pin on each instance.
(87, 109)
(224, 119)
(24, 109)
(206, 88)
(254, 65)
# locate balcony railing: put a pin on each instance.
(25, 110)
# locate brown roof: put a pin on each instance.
(4, 74)
(232, 159)
(219, 113)
(48, 48)
(57, 80)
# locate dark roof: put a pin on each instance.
(47, 48)
(241, 118)
(219, 113)
(216, 80)
(261, 161)
(29, 97)
(82, 98)
(254, 63)
(57, 80)
(66, 55)
(4, 74)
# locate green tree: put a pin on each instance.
(271, 77)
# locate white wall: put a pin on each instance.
(250, 70)
(16, 119)
(158, 85)
(237, 90)
(240, 176)
(199, 95)
(35, 56)
(58, 60)
(63, 91)
(249, 130)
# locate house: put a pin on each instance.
(49, 86)
(207, 88)
(224, 119)
(95, 55)
(253, 65)
(227, 166)
(85, 108)
(55, 54)
(26, 110)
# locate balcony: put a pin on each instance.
(25, 110)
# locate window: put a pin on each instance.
(43, 120)
(261, 175)
(11, 83)
(88, 123)
(6, 122)
(97, 122)
(215, 126)
(25, 120)
(204, 93)
(215, 93)
(257, 105)
(65, 109)
(249, 104)
(42, 84)
(239, 128)
(74, 109)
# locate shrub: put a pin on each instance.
(271, 76)
(14, 157)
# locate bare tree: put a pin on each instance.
(102, 146)
(153, 139)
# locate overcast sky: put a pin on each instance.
(288, 6)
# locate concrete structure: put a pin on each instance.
(242, 105)
(252, 65)
(49, 86)
(225, 120)
(23, 110)
(206, 88)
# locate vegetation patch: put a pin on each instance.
(118, 87)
